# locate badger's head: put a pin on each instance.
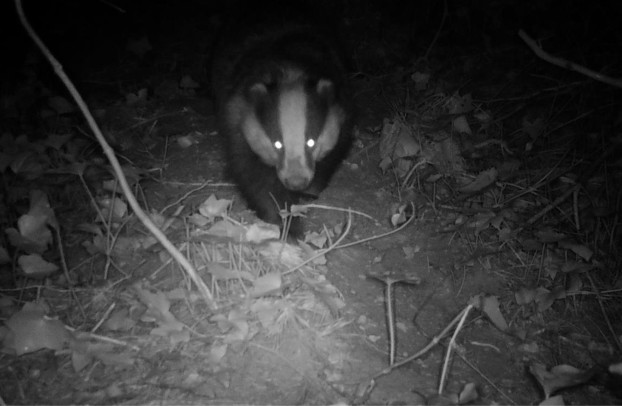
(291, 121)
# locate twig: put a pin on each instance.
(104, 317)
(566, 64)
(602, 309)
(584, 177)
(329, 393)
(185, 195)
(80, 334)
(545, 179)
(61, 254)
(388, 294)
(389, 281)
(391, 318)
(321, 206)
(491, 383)
(438, 32)
(63, 261)
(575, 205)
(452, 344)
(412, 170)
(375, 237)
(323, 252)
(554, 204)
(114, 6)
(114, 162)
(364, 394)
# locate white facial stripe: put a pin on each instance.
(328, 138)
(295, 172)
(258, 139)
(293, 122)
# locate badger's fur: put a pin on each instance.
(279, 88)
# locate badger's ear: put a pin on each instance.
(257, 91)
(325, 88)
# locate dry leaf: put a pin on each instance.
(267, 284)
(213, 207)
(36, 267)
(483, 180)
(490, 306)
(31, 331)
(461, 125)
(559, 377)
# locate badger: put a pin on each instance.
(279, 84)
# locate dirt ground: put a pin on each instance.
(323, 336)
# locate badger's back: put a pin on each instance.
(279, 87)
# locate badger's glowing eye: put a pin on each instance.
(278, 144)
(310, 143)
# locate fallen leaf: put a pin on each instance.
(225, 228)
(213, 207)
(158, 307)
(547, 236)
(186, 141)
(4, 256)
(579, 249)
(457, 104)
(60, 105)
(490, 306)
(112, 209)
(222, 273)
(319, 240)
(266, 311)
(446, 399)
(198, 220)
(559, 377)
(577, 267)
(545, 298)
(132, 99)
(187, 82)
(461, 125)
(34, 235)
(421, 80)
(399, 217)
(557, 400)
(238, 327)
(385, 163)
(483, 180)
(280, 252)
(525, 296)
(217, 353)
(616, 368)
(36, 267)
(531, 245)
(120, 321)
(267, 284)
(533, 128)
(310, 252)
(31, 330)
(57, 141)
(468, 394)
(80, 360)
(139, 47)
(260, 231)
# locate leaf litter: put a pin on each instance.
(523, 207)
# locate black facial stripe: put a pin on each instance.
(268, 116)
(317, 110)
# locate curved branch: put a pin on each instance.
(566, 64)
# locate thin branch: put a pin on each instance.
(114, 162)
(566, 64)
